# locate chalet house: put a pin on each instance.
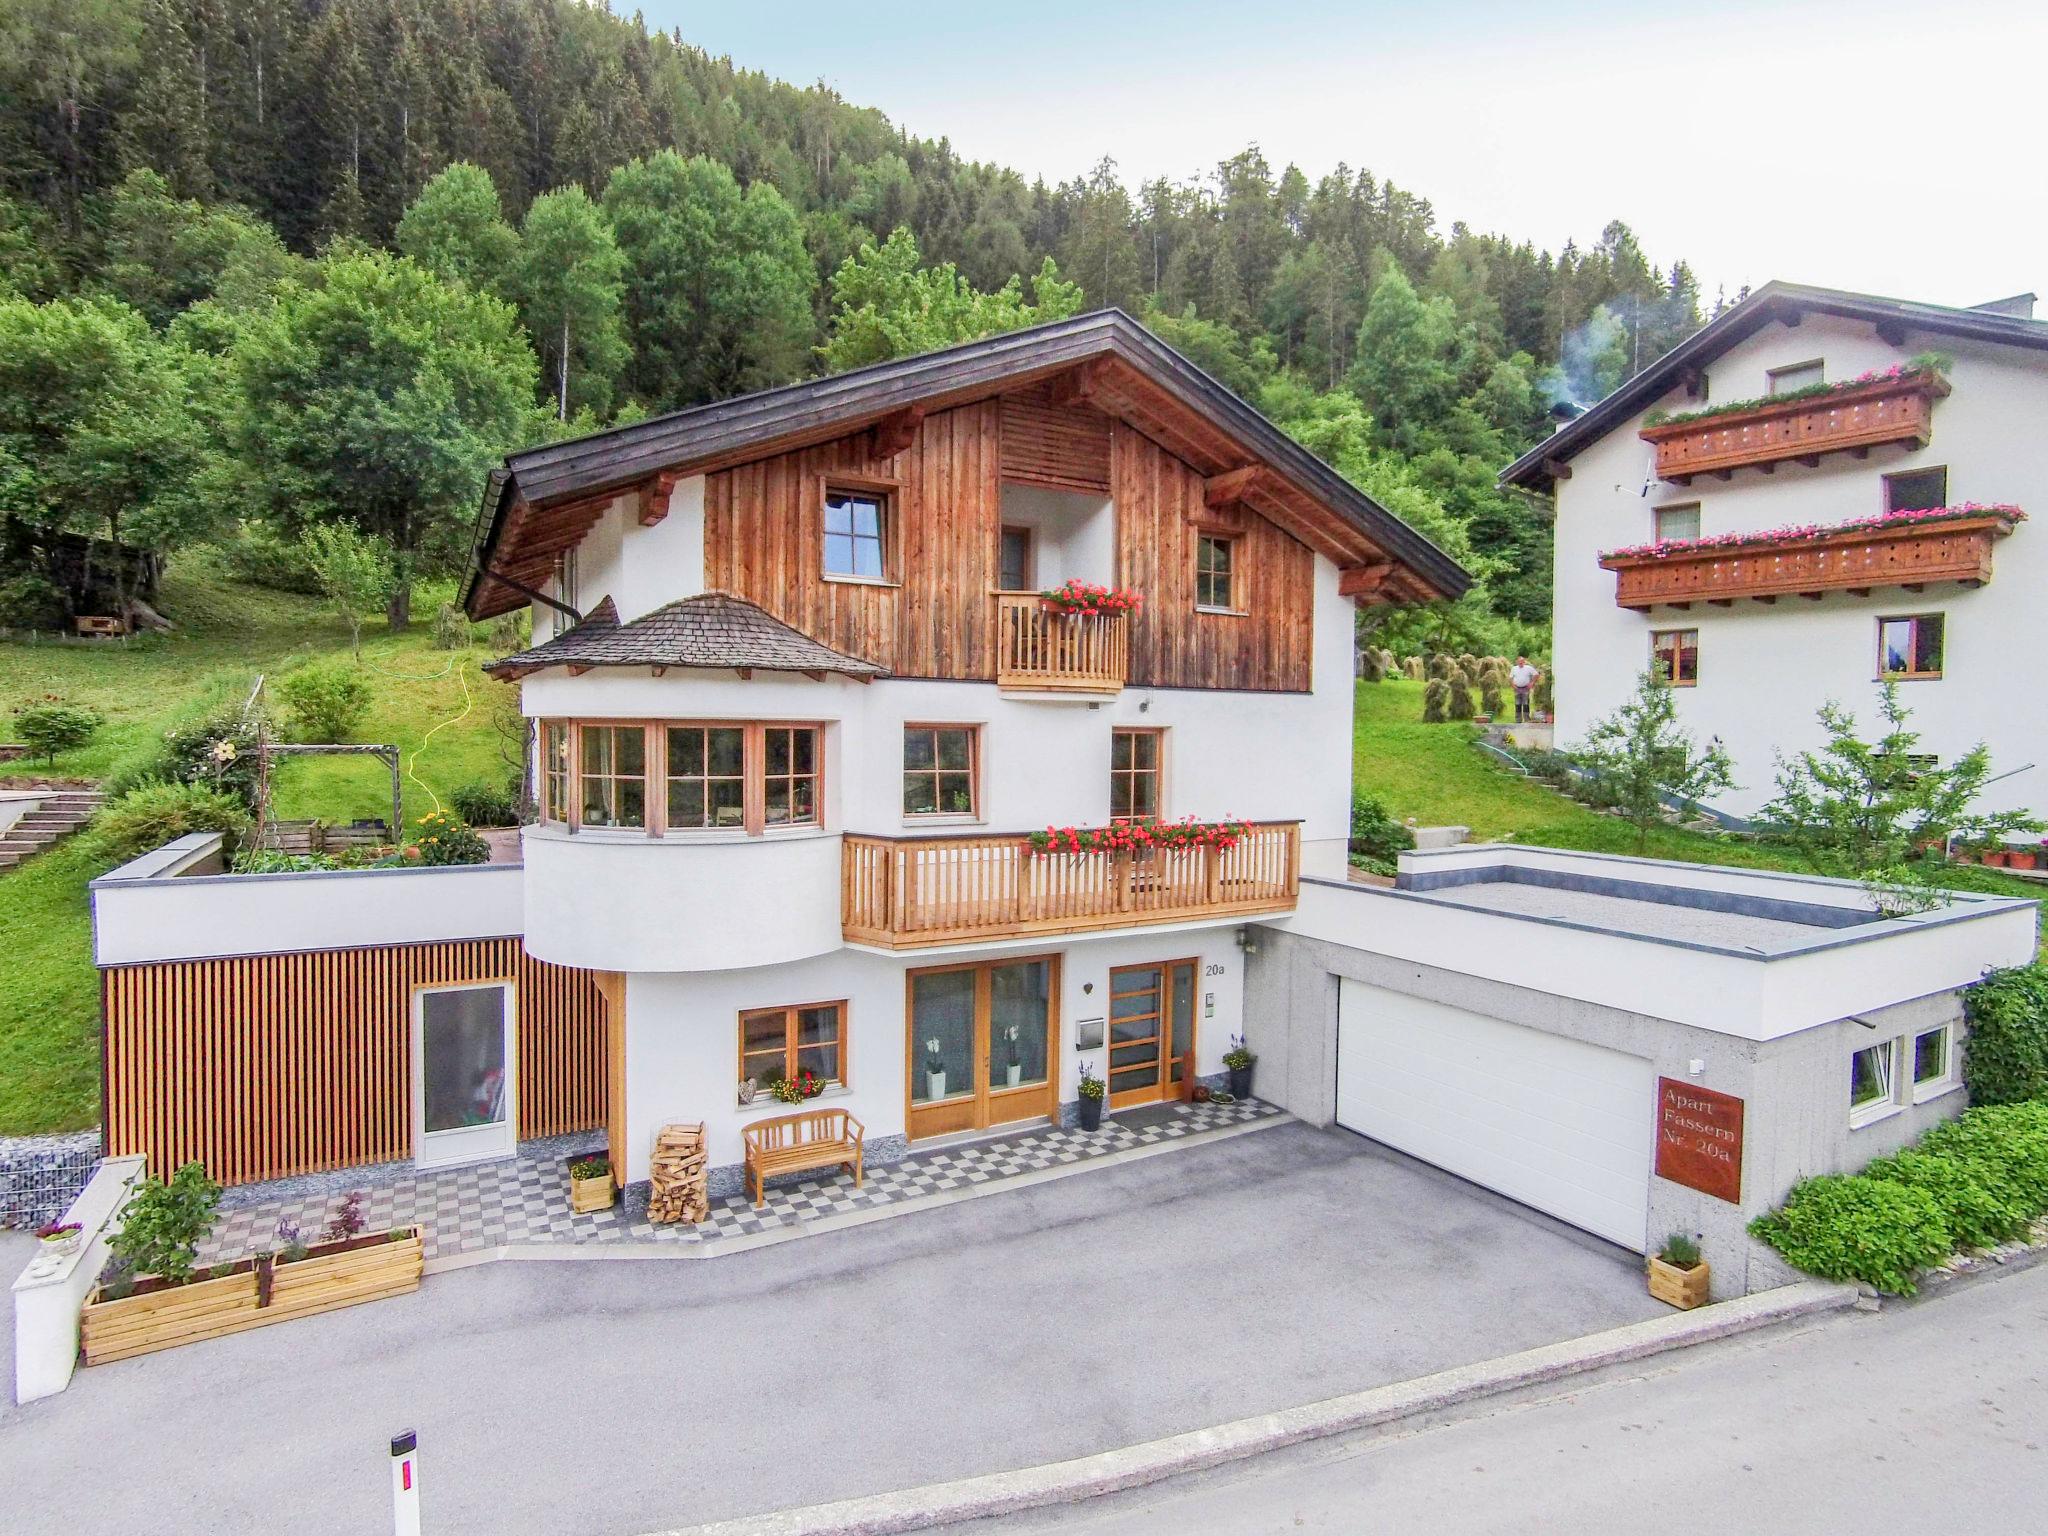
(1818, 491)
(833, 798)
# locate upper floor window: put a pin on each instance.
(1675, 653)
(1681, 522)
(613, 775)
(1016, 574)
(857, 534)
(789, 775)
(554, 771)
(1782, 381)
(1216, 572)
(707, 776)
(941, 770)
(1134, 774)
(1910, 646)
(565, 581)
(1915, 490)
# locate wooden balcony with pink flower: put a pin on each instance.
(1889, 406)
(1073, 639)
(1909, 549)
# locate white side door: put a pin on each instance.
(1555, 1123)
(464, 1073)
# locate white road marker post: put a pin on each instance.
(405, 1484)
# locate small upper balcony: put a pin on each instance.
(1861, 414)
(914, 892)
(1044, 647)
(1900, 549)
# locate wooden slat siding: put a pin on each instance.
(1160, 516)
(904, 893)
(1064, 447)
(1040, 649)
(267, 1066)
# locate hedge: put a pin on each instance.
(2007, 1058)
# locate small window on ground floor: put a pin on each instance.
(1871, 1080)
(779, 1045)
(1910, 646)
(1675, 653)
(1934, 1065)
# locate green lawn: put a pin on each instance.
(434, 705)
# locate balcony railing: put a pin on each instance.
(1861, 417)
(905, 893)
(1854, 560)
(1038, 649)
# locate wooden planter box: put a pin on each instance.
(362, 1269)
(1860, 417)
(1681, 1288)
(592, 1194)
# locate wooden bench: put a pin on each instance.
(813, 1138)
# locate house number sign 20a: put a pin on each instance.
(1699, 1139)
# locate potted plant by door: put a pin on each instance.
(590, 1183)
(1678, 1275)
(1093, 1091)
(934, 1070)
(1239, 1061)
(1013, 1069)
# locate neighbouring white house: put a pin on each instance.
(1818, 491)
(839, 789)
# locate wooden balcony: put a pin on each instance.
(1040, 651)
(1859, 418)
(1853, 560)
(907, 893)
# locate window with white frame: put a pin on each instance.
(1872, 1081)
(1783, 381)
(1679, 522)
(1934, 1062)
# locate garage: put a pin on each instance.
(1555, 1123)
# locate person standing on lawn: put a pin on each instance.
(1523, 677)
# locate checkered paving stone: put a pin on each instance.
(525, 1199)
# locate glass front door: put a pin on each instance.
(982, 1044)
(463, 1075)
(1151, 1032)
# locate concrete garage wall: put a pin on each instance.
(1795, 1089)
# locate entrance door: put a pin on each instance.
(464, 1074)
(982, 1044)
(1151, 1032)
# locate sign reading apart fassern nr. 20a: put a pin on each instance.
(1699, 1139)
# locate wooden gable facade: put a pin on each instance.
(763, 531)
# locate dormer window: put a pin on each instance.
(857, 534)
(1797, 376)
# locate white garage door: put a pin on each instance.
(1554, 1123)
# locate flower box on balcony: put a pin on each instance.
(1073, 641)
(1897, 549)
(1896, 406)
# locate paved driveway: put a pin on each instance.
(619, 1396)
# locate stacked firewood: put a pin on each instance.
(678, 1192)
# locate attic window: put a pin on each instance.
(1216, 573)
(857, 534)
(1798, 376)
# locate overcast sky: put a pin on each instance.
(1895, 148)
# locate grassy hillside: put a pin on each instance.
(434, 705)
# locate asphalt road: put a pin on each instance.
(1927, 1418)
(613, 1397)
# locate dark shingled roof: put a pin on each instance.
(713, 629)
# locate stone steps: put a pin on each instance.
(56, 817)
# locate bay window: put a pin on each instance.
(661, 777)
(613, 775)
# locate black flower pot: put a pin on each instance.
(1241, 1082)
(1090, 1114)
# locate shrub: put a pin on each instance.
(1850, 1227)
(485, 805)
(441, 838)
(273, 861)
(165, 1222)
(1551, 767)
(1376, 835)
(325, 703)
(2005, 1145)
(262, 559)
(32, 601)
(52, 726)
(218, 752)
(1977, 1207)
(1436, 698)
(152, 815)
(2006, 1058)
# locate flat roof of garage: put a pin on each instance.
(1639, 917)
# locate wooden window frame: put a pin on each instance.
(1003, 531)
(1915, 620)
(647, 775)
(791, 1046)
(1657, 514)
(888, 496)
(1232, 540)
(1884, 482)
(662, 729)
(757, 739)
(655, 757)
(554, 808)
(1157, 771)
(973, 730)
(1657, 650)
(1772, 375)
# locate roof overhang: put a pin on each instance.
(545, 500)
(1894, 320)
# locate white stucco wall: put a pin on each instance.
(1074, 533)
(638, 568)
(682, 1031)
(1765, 670)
